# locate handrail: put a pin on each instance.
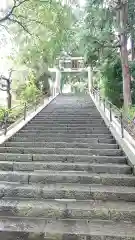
(113, 110)
(17, 112)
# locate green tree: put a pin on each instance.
(41, 30)
(105, 33)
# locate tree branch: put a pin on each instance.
(16, 5)
(104, 45)
(4, 78)
(4, 90)
(21, 25)
(30, 20)
(5, 27)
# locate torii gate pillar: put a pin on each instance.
(58, 80)
(90, 79)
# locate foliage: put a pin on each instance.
(48, 24)
(78, 81)
(2, 113)
(40, 31)
(28, 92)
(13, 113)
(101, 36)
(132, 70)
(112, 81)
(131, 113)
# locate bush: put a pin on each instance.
(132, 70)
(30, 93)
(131, 113)
(2, 113)
(112, 84)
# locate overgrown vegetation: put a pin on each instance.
(39, 31)
(42, 31)
(107, 27)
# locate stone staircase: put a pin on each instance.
(63, 176)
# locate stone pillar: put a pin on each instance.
(90, 79)
(58, 80)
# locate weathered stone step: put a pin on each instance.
(95, 167)
(67, 135)
(66, 127)
(81, 177)
(47, 177)
(75, 151)
(79, 114)
(62, 139)
(67, 229)
(67, 191)
(64, 166)
(91, 209)
(73, 121)
(48, 124)
(74, 112)
(70, 116)
(15, 157)
(80, 158)
(60, 145)
(83, 114)
(69, 120)
(69, 131)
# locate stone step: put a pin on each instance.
(67, 191)
(67, 166)
(15, 157)
(71, 111)
(75, 114)
(75, 151)
(115, 211)
(48, 124)
(44, 177)
(69, 117)
(60, 145)
(67, 135)
(81, 166)
(65, 121)
(48, 177)
(68, 131)
(80, 158)
(66, 229)
(62, 139)
(66, 127)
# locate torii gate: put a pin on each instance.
(71, 65)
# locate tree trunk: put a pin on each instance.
(125, 73)
(9, 96)
(132, 47)
(9, 100)
(123, 19)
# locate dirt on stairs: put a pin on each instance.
(64, 177)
